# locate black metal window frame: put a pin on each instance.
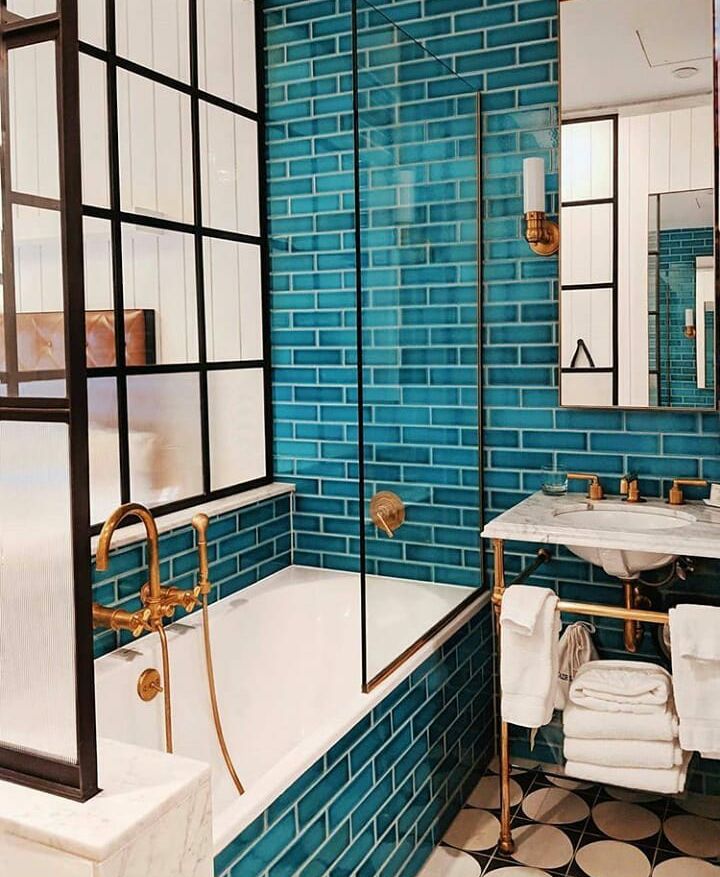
(76, 780)
(199, 232)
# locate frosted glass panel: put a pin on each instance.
(164, 433)
(233, 303)
(229, 158)
(155, 149)
(226, 50)
(237, 426)
(91, 22)
(94, 131)
(159, 271)
(37, 657)
(104, 448)
(98, 264)
(33, 120)
(155, 33)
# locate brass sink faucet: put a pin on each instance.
(630, 488)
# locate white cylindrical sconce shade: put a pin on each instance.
(689, 318)
(534, 185)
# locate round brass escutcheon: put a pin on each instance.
(148, 686)
(387, 511)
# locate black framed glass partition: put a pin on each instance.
(47, 713)
(175, 252)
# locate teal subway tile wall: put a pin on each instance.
(509, 52)
(382, 797)
(244, 546)
(678, 251)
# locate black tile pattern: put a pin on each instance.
(657, 848)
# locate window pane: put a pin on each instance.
(159, 280)
(155, 149)
(226, 50)
(94, 131)
(33, 120)
(91, 22)
(229, 159)
(233, 303)
(31, 8)
(40, 320)
(155, 33)
(237, 426)
(164, 435)
(104, 448)
(37, 660)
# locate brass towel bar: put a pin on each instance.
(602, 610)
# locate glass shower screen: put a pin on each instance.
(417, 153)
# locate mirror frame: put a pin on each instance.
(716, 174)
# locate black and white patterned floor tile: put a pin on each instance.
(567, 828)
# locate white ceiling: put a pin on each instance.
(620, 52)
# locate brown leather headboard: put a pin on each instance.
(41, 340)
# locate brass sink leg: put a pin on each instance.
(634, 631)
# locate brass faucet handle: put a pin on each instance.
(676, 496)
(595, 488)
(630, 489)
(118, 619)
(171, 597)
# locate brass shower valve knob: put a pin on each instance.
(387, 512)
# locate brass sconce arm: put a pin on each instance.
(542, 233)
(595, 488)
(676, 496)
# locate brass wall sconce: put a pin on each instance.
(541, 233)
(689, 329)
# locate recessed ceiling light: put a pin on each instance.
(686, 72)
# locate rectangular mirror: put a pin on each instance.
(638, 209)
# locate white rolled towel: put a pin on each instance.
(591, 724)
(622, 686)
(658, 754)
(664, 782)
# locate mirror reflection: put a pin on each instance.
(637, 255)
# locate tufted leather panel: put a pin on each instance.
(41, 340)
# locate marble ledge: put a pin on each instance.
(539, 519)
(140, 788)
(165, 523)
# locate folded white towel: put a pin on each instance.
(659, 754)
(622, 686)
(591, 724)
(529, 635)
(694, 640)
(665, 782)
(576, 649)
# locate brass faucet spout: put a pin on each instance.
(102, 556)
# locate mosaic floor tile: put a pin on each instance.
(604, 832)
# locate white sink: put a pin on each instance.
(611, 516)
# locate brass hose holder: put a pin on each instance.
(387, 512)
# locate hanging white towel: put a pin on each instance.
(665, 782)
(622, 686)
(657, 754)
(591, 724)
(576, 648)
(529, 635)
(695, 650)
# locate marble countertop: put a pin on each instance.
(138, 787)
(539, 518)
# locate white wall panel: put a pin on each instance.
(155, 33)
(94, 132)
(587, 389)
(237, 426)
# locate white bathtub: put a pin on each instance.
(287, 654)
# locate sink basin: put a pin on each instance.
(611, 517)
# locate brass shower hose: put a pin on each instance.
(200, 524)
